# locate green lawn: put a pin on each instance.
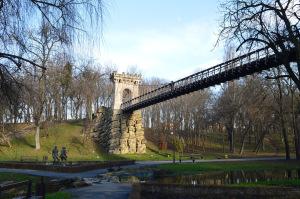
(282, 183)
(191, 168)
(17, 177)
(58, 195)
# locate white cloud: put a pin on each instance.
(162, 53)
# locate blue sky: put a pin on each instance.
(168, 39)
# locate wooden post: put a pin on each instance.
(41, 189)
(29, 191)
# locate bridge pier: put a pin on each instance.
(127, 133)
(117, 132)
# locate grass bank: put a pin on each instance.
(192, 168)
(17, 177)
(196, 168)
(59, 195)
(68, 134)
(281, 183)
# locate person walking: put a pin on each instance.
(63, 154)
(55, 155)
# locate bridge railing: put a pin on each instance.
(255, 56)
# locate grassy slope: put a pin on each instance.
(68, 135)
(212, 147)
(65, 134)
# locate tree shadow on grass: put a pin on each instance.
(77, 144)
(107, 156)
(24, 141)
(78, 122)
(165, 154)
(76, 141)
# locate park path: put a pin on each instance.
(138, 164)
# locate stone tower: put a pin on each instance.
(126, 87)
(120, 133)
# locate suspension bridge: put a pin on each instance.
(241, 66)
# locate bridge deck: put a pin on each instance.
(244, 65)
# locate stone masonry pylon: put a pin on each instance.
(120, 133)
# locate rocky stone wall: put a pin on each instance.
(120, 133)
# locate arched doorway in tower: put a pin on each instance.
(127, 95)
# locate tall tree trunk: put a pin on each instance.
(230, 132)
(66, 109)
(282, 123)
(37, 137)
(27, 117)
(297, 138)
(4, 137)
(244, 139)
(40, 108)
(294, 125)
(55, 110)
(80, 112)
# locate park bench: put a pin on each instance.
(225, 156)
(27, 183)
(193, 157)
(27, 158)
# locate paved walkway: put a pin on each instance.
(150, 163)
(93, 173)
(87, 174)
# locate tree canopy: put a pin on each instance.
(251, 24)
(20, 19)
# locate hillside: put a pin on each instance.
(63, 134)
(69, 134)
(66, 134)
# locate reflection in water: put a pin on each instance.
(177, 187)
(229, 177)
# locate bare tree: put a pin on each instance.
(17, 18)
(253, 24)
